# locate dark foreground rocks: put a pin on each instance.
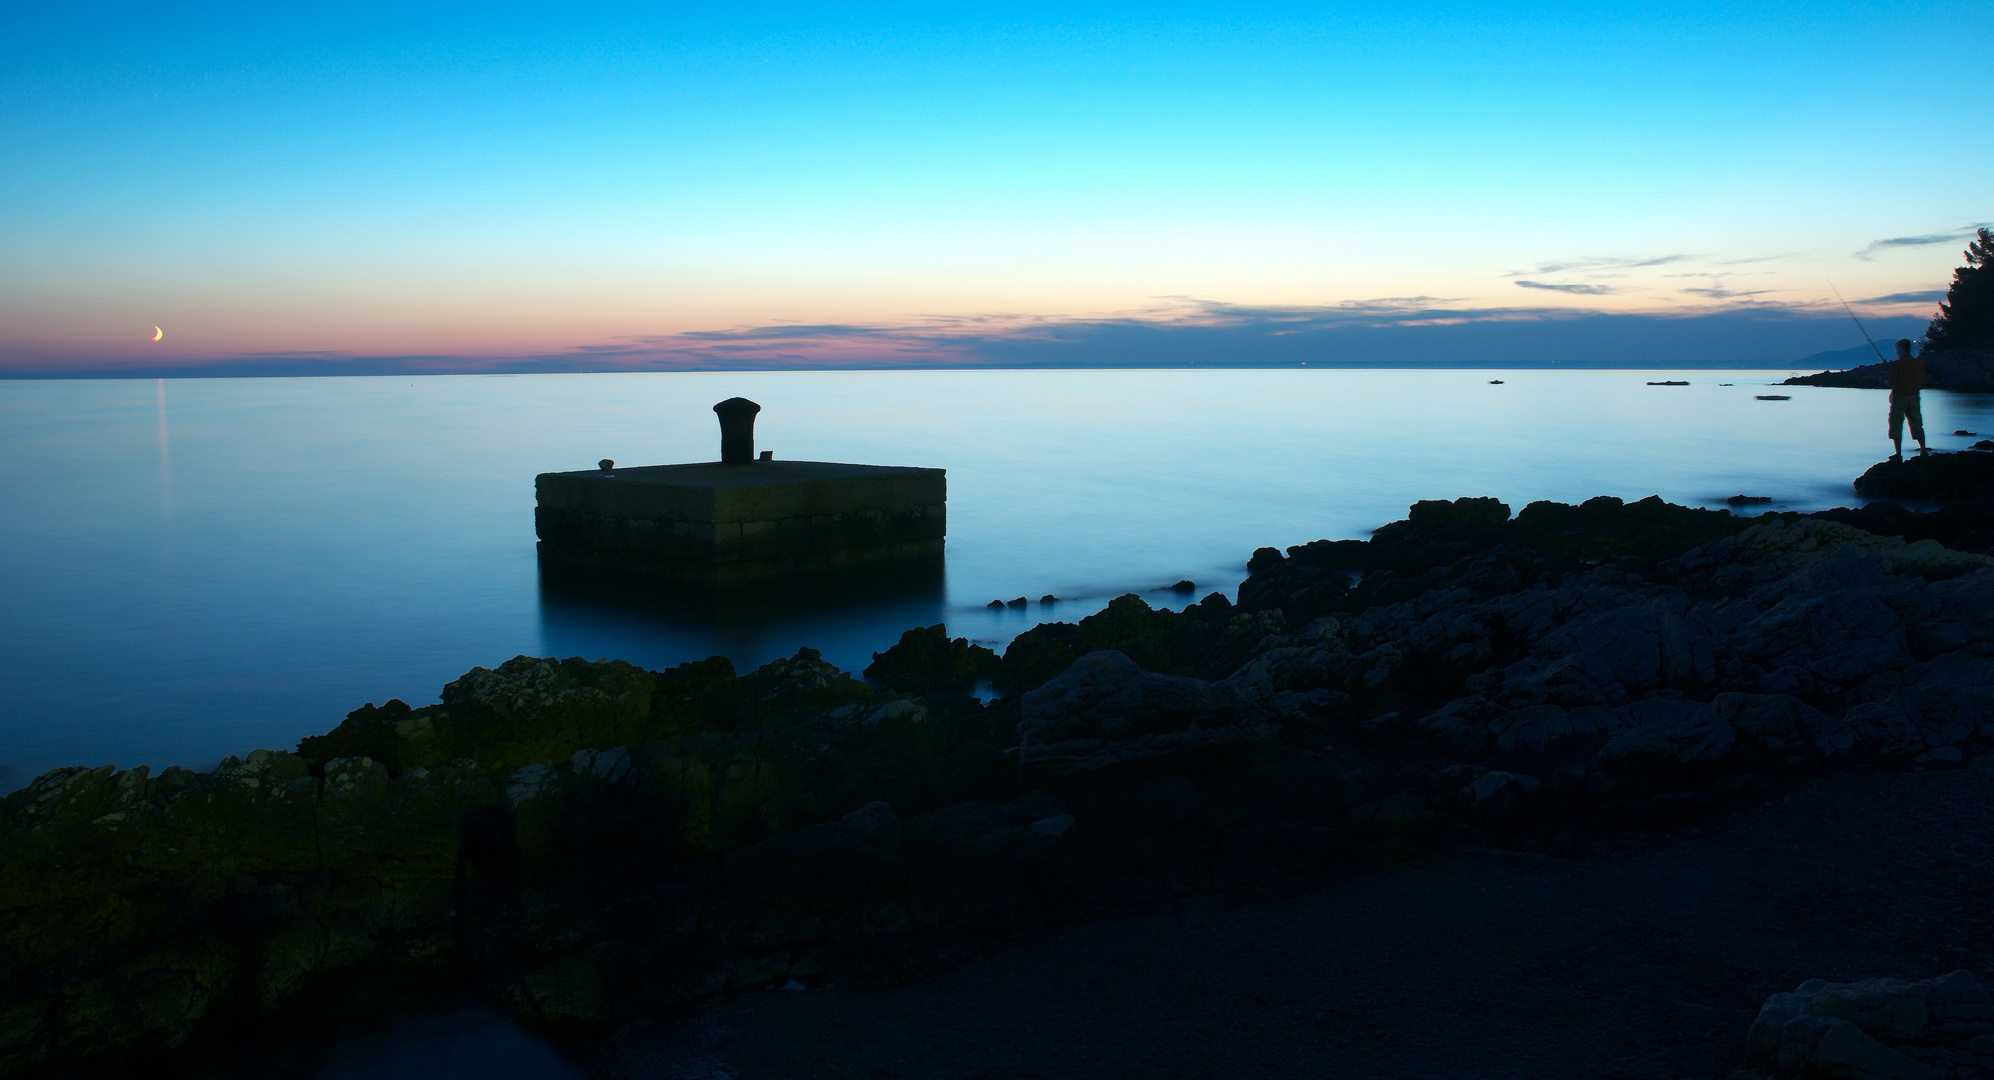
(1572, 954)
(585, 842)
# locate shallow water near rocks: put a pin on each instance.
(196, 568)
(471, 1044)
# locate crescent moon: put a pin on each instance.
(157, 333)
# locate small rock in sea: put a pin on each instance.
(605, 464)
(1963, 431)
(1774, 397)
(1984, 444)
(1748, 500)
(1185, 586)
(995, 605)
(1048, 599)
(1019, 602)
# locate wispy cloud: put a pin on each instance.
(1953, 237)
(1719, 292)
(1187, 331)
(1581, 290)
(1931, 296)
(1600, 263)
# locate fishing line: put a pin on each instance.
(1858, 322)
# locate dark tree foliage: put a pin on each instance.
(1966, 318)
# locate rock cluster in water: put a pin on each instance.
(582, 841)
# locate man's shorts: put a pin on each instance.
(1904, 406)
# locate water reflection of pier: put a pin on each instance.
(847, 615)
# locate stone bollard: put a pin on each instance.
(737, 430)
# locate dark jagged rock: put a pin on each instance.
(1606, 528)
(1036, 656)
(366, 732)
(1305, 589)
(1159, 640)
(1876, 1029)
(1105, 714)
(926, 661)
(1963, 370)
(578, 841)
(1936, 477)
(1545, 538)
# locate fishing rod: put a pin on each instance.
(1858, 322)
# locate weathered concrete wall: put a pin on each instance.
(713, 522)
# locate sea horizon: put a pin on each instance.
(1756, 365)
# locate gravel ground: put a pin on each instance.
(1635, 955)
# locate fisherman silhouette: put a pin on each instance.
(1907, 377)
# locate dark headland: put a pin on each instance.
(600, 852)
(1966, 370)
(1958, 346)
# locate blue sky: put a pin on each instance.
(481, 184)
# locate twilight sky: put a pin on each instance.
(484, 188)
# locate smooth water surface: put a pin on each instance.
(194, 568)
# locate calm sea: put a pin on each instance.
(194, 568)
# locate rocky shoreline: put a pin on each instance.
(582, 842)
(1966, 370)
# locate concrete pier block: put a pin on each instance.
(717, 523)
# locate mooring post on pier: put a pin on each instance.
(737, 430)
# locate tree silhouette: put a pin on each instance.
(1966, 318)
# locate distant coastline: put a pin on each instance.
(1411, 338)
